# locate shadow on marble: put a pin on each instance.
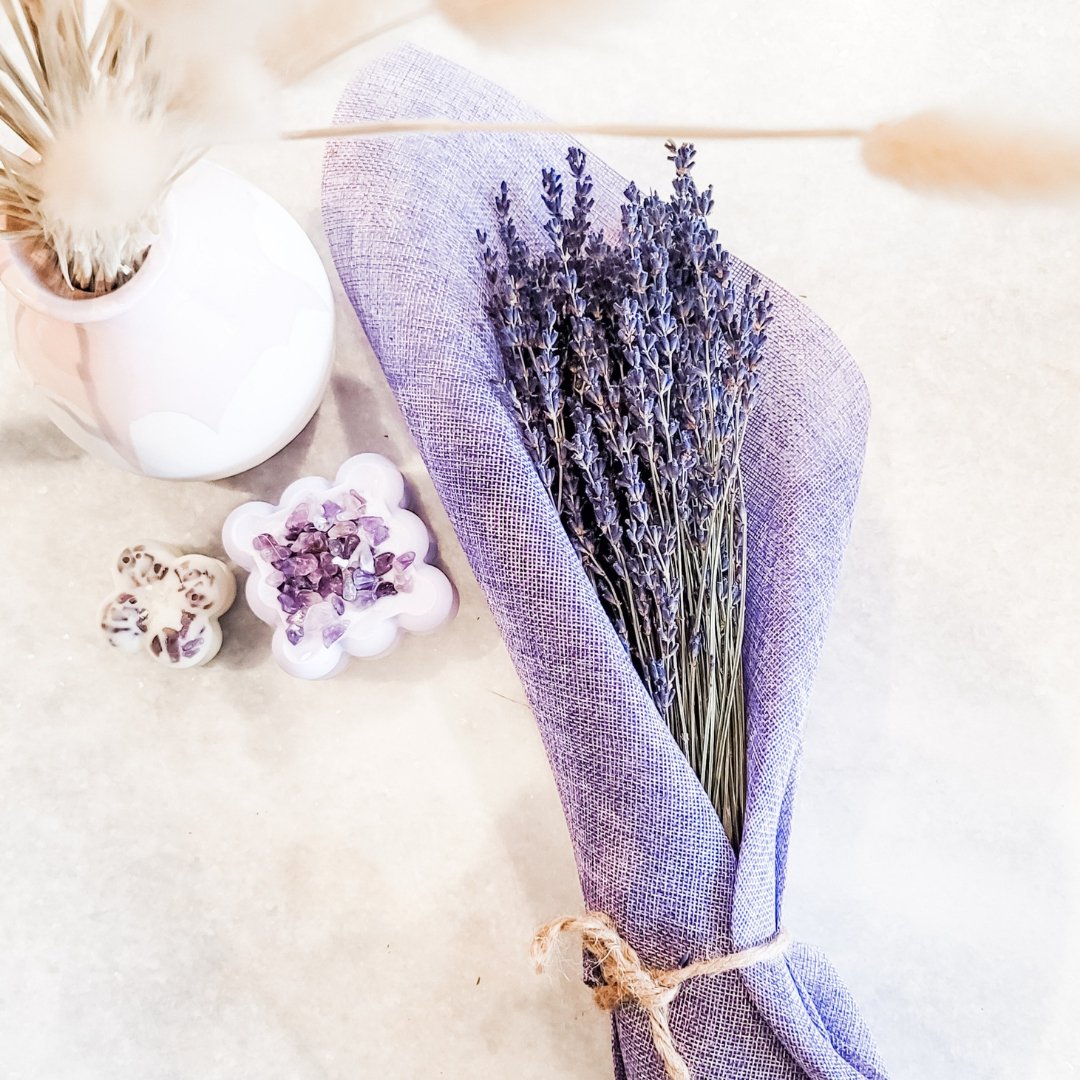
(267, 480)
(362, 413)
(30, 440)
(954, 895)
(531, 856)
(435, 655)
(245, 637)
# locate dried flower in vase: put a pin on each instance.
(99, 147)
(109, 112)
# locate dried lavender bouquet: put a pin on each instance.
(632, 367)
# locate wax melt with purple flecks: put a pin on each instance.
(330, 562)
(167, 603)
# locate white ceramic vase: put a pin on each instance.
(209, 360)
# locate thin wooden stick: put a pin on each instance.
(441, 125)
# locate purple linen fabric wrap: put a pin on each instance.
(400, 215)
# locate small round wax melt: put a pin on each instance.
(168, 604)
(338, 567)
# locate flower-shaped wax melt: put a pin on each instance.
(168, 604)
(338, 568)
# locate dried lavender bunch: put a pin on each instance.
(632, 367)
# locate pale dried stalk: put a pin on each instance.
(445, 125)
(929, 152)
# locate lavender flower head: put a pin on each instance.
(631, 367)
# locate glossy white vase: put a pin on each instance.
(209, 360)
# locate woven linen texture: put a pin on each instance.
(400, 215)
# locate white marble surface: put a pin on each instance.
(229, 874)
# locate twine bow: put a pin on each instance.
(627, 981)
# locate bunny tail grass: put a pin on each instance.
(935, 152)
(513, 18)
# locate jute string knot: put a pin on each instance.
(627, 981)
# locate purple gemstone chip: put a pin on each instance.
(310, 543)
(268, 547)
(376, 528)
(296, 521)
(305, 564)
(353, 505)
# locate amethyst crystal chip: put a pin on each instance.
(266, 545)
(348, 589)
(297, 520)
(331, 558)
(308, 543)
(376, 528)
(288, 601)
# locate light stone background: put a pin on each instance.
(229, 874)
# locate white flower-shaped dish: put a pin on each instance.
(425, 597)
(168, 604)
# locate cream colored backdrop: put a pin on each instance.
(229, 875)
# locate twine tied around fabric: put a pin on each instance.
(626, 980)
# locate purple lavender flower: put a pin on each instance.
(631, 369)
